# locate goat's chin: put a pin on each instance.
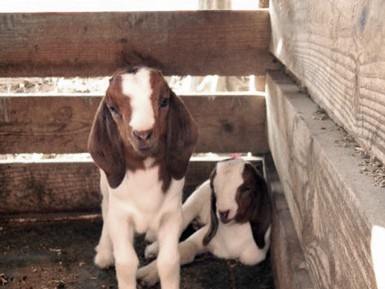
(225, 220)
(146, 150)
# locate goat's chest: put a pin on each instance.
(140, 189)
(141, 200)
(231, 240)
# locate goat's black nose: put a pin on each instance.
(142, 134)
(224, 215)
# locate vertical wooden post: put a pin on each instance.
(263, 3)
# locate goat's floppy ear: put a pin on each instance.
(182, 136)
(254, 204)
(105, 146)
(213, 213)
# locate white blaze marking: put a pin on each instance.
(137, 87)
(227, 180)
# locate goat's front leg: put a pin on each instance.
(126, 260)
(104, 256)
(168, 261)
(188, 249)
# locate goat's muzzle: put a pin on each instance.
(143, 135)
(224, 216)
(144, 141)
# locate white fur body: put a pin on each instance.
(231, 241)
(140, 200)
(139, 206)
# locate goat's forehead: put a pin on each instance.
(229, 175)
(137, 85)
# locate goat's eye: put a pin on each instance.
(165, 102)
(114, 110)
(245, 189)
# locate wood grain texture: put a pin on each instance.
(56, 124)
(288, 261)
(92, 44)
(49, 187)
(335, 49)
(333, 205)
(54, 187)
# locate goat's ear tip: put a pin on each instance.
(115, 178)
(113, 182)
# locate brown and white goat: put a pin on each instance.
(142, 139)
(235, 210)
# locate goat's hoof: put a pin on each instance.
(104, 261)
(150, 237)
(151, 251)
(147, 276)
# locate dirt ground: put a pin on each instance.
(59, 255)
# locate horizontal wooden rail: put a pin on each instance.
(92, 44)
(53, 187)
(57, 124)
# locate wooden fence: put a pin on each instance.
(94, 44)
(179, 43)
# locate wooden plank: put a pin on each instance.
(288, 261)
(95, 44)
(46, 124)
(230, 124)
(334, 207)
(263, 3)
(336, 51)
(227, 123)
(54, 186)
(49, 187)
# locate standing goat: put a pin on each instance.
(142, 139)
(235, 210)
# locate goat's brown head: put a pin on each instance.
(141, 117)
(239, 194)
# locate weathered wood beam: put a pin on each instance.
(227, 123)
(335, 49)
(334, 207)
(96, 44)
(72, 186)
(288, 261)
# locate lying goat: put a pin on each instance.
(235, 211)
(142, 139)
